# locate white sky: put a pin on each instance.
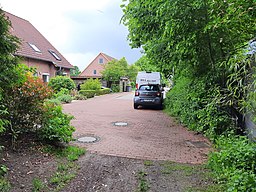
(79, 29)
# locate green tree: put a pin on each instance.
(8, 73)
(115, 69)
(144, 64)
(75, 71)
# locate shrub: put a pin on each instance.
(65, 98)
(79, 97)
(234, 163)
(115, 88)
(55, 125)
(54, 101)
(91, 84)
(102, 91)
(60, 82)
(25, 105)
(87, 93)
(63, 91)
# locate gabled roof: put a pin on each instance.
(33, 43)
(108, 59)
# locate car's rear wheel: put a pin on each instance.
(135, 106)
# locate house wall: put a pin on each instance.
(95, 65)
(43, 67)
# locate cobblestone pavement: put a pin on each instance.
(150, 133)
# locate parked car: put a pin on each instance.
(148, 95)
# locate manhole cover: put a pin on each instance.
(88, 139)
(122, 124)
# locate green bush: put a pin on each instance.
(54, 101)
(65, 98)
(79, 97)
(55, 125)
(234, 163)
(60, 82)
(63, 91)
(91, 84)
(102, 91)
(87, 93)
(196, 105)
(115, 88)
(25, 106)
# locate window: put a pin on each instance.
(45, 77)
(101, 60)
(94, 72)
(34, 47)
(55, 55)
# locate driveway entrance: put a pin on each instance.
(115, 128)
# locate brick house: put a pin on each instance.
(36, 51)
(94, 69)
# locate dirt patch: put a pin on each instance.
(116, 174)
(102, 173)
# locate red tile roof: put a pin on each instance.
(28, 34)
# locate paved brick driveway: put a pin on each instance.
(150, 134)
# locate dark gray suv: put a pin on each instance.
(148, 95)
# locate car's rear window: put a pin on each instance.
(149, 88)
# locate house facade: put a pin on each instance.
(94, 69)
(36, 51)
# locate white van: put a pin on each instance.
(145, 78)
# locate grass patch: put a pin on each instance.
(148, 163)
(38, 185)
(71, 153)
(4, 184)
(143, 184)
(64, 174)
(66, 168)
(169, 167)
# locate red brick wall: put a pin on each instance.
(43, 67)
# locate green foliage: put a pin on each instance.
(60, 82)
(38, 185)
(91, 84)
(144, 64)
(75, 71)
(115, 88)
(24, 104)
(5, 185)
(55, 125)
(115, 69)
(65, 98)
(143, 184)
(63, 91)
(87, 93)
(79, 97)
(71, 153)
(234, 163)
(103, 91)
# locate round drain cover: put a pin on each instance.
(87, 139)
(120, 124)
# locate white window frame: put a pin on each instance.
(34, 47)
(101, 59)
(47, 77)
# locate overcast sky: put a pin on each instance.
(79, 29)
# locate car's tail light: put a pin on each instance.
(158, 94)
(137, 93)
(137, 86)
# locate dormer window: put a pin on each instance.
(55, 55)
(101, 60)
(34, 47)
